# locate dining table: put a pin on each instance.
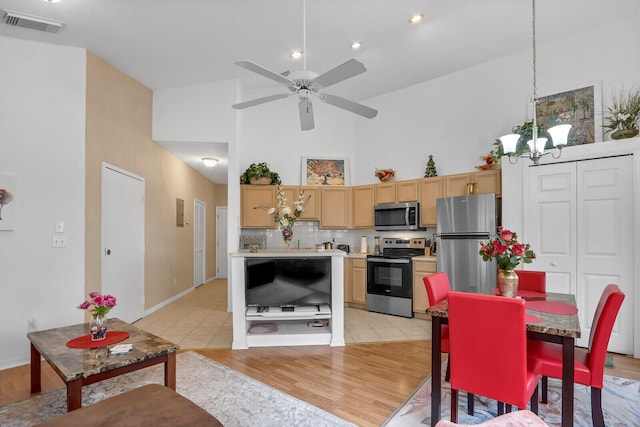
(551, 317)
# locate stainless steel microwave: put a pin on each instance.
(399, 216)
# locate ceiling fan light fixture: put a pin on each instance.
(356, 45)
(416, 18)
(209, 161)
(295, 54)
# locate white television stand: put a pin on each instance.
(287, 326)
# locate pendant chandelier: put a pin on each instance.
(559, 133)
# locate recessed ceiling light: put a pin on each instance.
(52, 1)
(418, 17)
(356, 45)
(295, 54)
(209, 161)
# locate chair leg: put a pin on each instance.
(500, 408)
(534, 401)
(508, 408)
(454, 406)
(545, 381)
(470, 403)
(596, 407)
(447, 375)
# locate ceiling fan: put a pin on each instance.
(305, 83)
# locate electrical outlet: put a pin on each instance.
(33, 324)
(59, 241)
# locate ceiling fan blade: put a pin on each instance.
(247, 65)
(259, 101)
(341, 72)
(306, 114)
(354, 107)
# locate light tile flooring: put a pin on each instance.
(200, 320)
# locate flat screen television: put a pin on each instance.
(296, 281)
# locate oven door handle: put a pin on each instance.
(389, 260)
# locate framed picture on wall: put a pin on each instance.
(577, 107)
(324, 171)
(8, 194)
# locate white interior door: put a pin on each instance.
(123, 241)
(578, 219)
(199, 242)
(221, 243)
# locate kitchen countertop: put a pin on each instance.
(424, 258)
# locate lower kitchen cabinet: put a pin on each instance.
(357, 282)
(421, 268)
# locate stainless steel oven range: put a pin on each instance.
(390, 276)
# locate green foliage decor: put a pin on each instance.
(259, 170)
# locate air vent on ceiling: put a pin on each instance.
(19, 19)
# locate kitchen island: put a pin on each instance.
(278, 323)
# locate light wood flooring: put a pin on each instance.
(361, 382)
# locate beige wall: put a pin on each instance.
(118, 131)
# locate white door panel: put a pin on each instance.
(123, 242)
(221, 242)
(199, 242)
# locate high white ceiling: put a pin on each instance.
(173, 43)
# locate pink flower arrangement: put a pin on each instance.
(99, 305)
(507, 251)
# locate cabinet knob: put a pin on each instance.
(554, 264)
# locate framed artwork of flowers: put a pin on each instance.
(324, 171)
(7, 202)
(576, 107)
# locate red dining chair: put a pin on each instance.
(532, 280)
(438, 288)
(589, 362)
(488, 351)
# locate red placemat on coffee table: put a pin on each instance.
(85, 340)
(525, 293)
(530, 318)
(552, 307)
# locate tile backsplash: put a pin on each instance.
(306, 234)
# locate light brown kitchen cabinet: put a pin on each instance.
(385, 192)
(421, 268)
(335, 207)
(358, 281)
(363, 197)
(486, 181)
(311, 196)
(407, 191)
(255, 201)
(429, 190)
(347, 280)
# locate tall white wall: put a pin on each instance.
(42, 135)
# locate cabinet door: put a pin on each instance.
(488, 181)
(430, 189)
(385, 193)
(456, 185)
(311, 196)
(359, 281)
(335, 207)
(363, 200)
(420, 299)
(347, 280)
(256, 200)
(407, 191)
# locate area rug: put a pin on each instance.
(232, 397)
(620, 404)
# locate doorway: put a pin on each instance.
(221, 242)
(123, 241)
(199, 242)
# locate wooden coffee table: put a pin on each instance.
(79, 367)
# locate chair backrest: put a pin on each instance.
(437, 286)
(532, 280)
(488, 346)
(603, 321)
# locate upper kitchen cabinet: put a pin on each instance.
(311, 196)
(397, 192)
(335, 207)
(429, 190)
(256, 200)
(486, 182)
(363, 197)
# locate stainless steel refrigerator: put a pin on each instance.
(462, 223)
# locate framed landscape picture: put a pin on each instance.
(324, 171)
(8, 192)
(576, 107)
